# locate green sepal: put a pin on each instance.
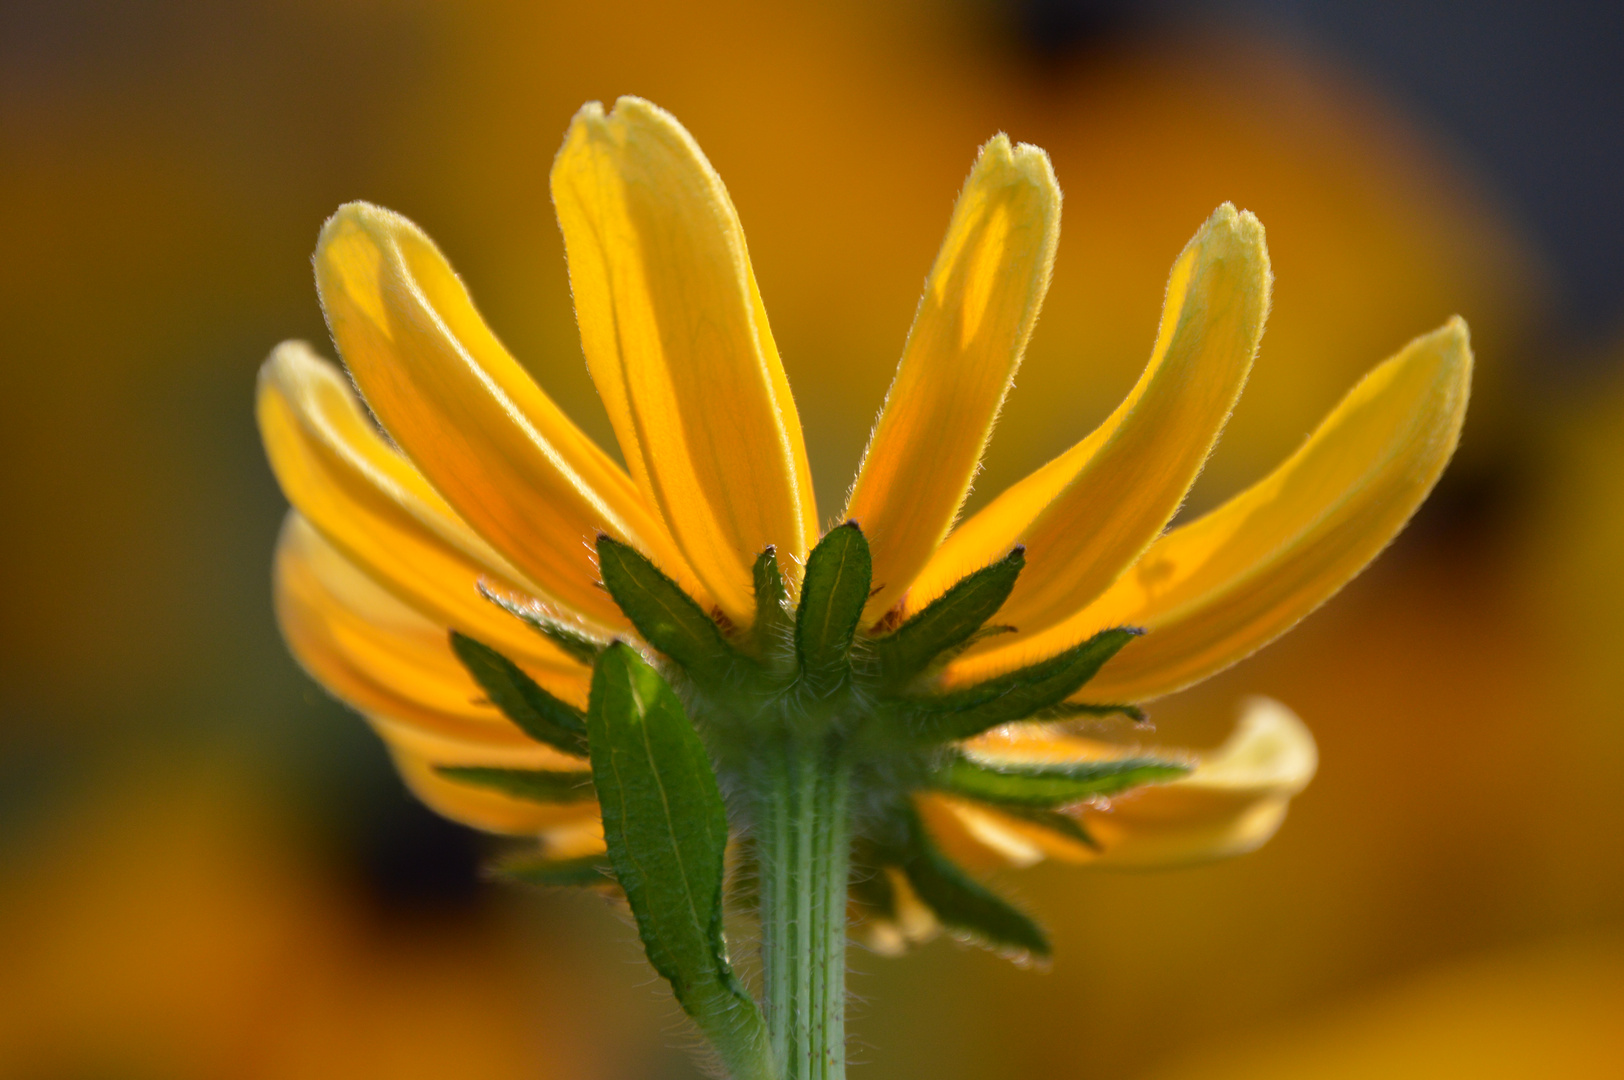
(991, 630)
(531, 785)
(964, 905)
(1053, 820)
(949, 622)
(576, 644)
(1067, 710)
(666, 616)
(1045, 786)
(1017, 694)
(587, 870)
(834, 590)
(666, 830)
(772, 619)
(538, 714)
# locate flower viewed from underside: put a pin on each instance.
(453, 576)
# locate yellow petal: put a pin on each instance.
(471, 419)
(385, 660)
(1216, 590)
(484, 809)
(370, 502)
(892, 933)
(1087, 515)
(575, 840)
(678, 344)
(1233, 801)
(980, 304)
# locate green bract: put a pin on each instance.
(539, 714)
(818, 731)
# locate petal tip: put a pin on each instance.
(639, 106)
(1019, 162)
(1458, 335)
(1270, 746)
(1447, 351)
(358, 216)
(1228, 227)
(359, 225)
(590, 115)
(996, 149)
(632, 114)
(289, 362)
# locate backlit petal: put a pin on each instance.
(980, 304)
(1087, 515)
(1233, 801)
(1214, 591)
(387, 661)
(472, 420)
(370, 502)
(678, 344)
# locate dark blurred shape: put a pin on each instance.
(1533, 93)
(414, 862)
(408, 862)
(1058, 31)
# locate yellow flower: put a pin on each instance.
(482, 487)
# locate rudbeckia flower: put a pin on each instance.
(503, 601)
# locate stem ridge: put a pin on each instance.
(804, 845)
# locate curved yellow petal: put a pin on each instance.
(484, 809)
(1232, 802)
(370, 502)
(387, 661)
(1087, 515)
(471, 419)
(980, 304)
(678, 344)
(1216, 590)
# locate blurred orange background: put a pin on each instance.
(208, 869)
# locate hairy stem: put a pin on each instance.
(804, 846)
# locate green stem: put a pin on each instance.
(804, 846)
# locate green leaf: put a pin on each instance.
(1049, 785)
(575, 643)
(666, 616)
(540, 870)
(833, 592)
(532, 785)
(1018, 694)
(963, 904)
(948, 622)
(538, 714)
(772, 620)
(666, 830)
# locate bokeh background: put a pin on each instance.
(207, 868)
